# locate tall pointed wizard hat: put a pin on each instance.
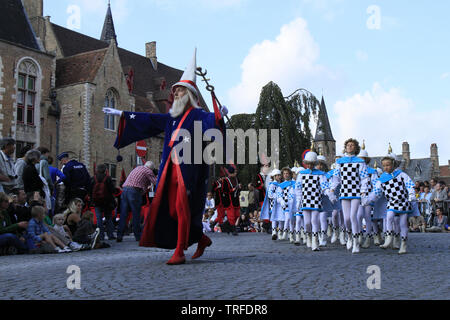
(189, 78)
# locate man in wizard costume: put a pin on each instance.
(174, 220)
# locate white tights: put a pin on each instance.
(298, 223)
(277, 224)
(335, 218)
(397, 224)
(323, 221)
(311, 221)
(350, 209)
(364, 213)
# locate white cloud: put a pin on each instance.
(381, 116)
(290, 61)
(362, 56)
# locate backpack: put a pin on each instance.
(99, 191)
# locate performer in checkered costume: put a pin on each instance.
(310, 187)
(398, 189)
(351, 174)
(285, 197)
(327, 206)
(271, 209)
(365, 212)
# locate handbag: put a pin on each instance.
(46, 189)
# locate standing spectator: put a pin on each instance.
(8, 174)
(77, 178)
(134, 187)
(11, 234)
(439, 196)
(253, 199)
(31, 180)
(439, 222)
(433, 183)
(43, 167)
(104, 201)
(20, 165)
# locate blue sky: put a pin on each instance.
(383, 66)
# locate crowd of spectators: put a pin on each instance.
(47, 210)
(433, 199)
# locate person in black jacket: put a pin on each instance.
(102, 195)
(31, 180)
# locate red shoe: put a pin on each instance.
(202, 245)
(176, 259)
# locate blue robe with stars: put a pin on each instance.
(160, 227)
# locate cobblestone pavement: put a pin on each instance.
(247, 267)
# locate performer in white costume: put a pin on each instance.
(310, 187)
(398, 189)
(285, 198)
(365, 212)
(351, 174)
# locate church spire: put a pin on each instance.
(323, 132)
(108, 32)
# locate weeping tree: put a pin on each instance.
(292, 116)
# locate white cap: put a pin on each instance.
(275, 172)
(311, 157)
(363, 154)
(189, 78)
(392, 156)
(321, 159)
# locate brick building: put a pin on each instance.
(70, 77)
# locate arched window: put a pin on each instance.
(110, 102)
(26, 99)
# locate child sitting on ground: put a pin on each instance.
(63, 233)
(39, 233)
(86, 234)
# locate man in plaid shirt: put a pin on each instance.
(137, 183)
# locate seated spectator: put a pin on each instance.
(12, 235)
(243, 223)
(206, 222)
(18, 211)
(85, 233)
(39, 234)
(417, 224)
(62, 232)
(439, 222)
(72, 216)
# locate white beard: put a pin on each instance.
(178, 106)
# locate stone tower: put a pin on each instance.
(108, 32)
(35, 11)
(406, 154)
(324, 141)
(435, 159)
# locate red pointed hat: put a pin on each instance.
(189, 78)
